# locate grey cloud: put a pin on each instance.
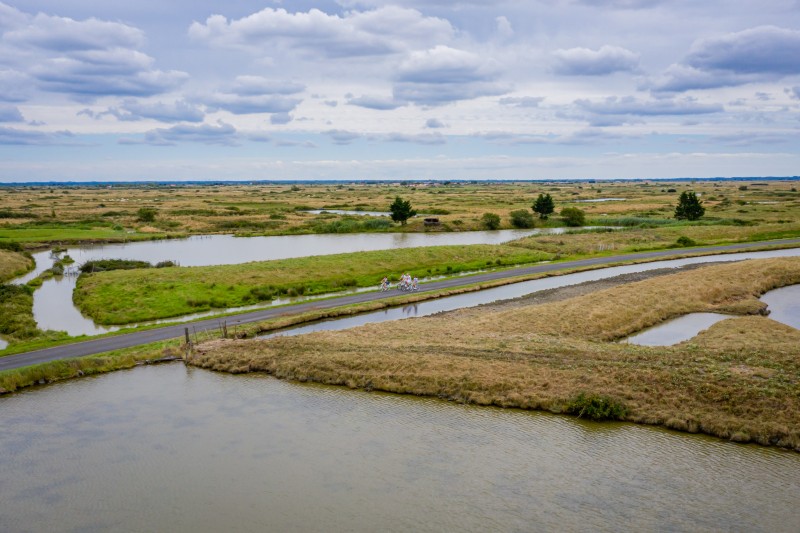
(587, 62)
(761, 50)
(342, 136)
(89, 58)
(14, 86)
(442, 75)
(622, 4)
(221, 134)
(10, 113)
(522, 101)
(16, 136)
(423, 138)
(280, 118)
(381, 31)
(794, 92)
(757, 54)
(375, 102)
(61, 34)
(434, 123)
(630, 105)
(331, 103)
(254, 94)
(132, 110)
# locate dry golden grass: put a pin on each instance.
(740, 380)
(13, 264)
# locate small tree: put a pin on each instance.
(544, 206)
(573, 217)
(401, 210)
(490, 220)
(146, 214)
(522, 219)
(689, 207)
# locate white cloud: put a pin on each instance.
(586, 62)
(10, 113)
(381, 31)
(221, 134)
(522, 101)
(255, 94)
(135, 110)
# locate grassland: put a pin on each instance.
(94, 214)
(739, 380)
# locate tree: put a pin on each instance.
(522, 219)
(401, 210)
(573, 217)
(490, 220)
(544, 206)
(689, 207)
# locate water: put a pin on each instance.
(515, 290)
(783, 305)
(171, 448)
(3, 343)
(346, 212)
(676, 330)
(601, 200)
(53, 307)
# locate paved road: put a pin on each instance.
(106, 344)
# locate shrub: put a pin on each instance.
(522, 219)
(683, 240)
(596, 407)
(165, 264)
(573, 217)
(490, 220)
(146, 214)
(103, 265)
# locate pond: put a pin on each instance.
(170, 448)
(600, 200)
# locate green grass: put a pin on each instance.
(69, 234)
(122, 297)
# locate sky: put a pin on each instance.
(403, 89)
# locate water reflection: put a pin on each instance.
(238, 452)
(676, 330)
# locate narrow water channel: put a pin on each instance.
(515, 290)
(170, 448)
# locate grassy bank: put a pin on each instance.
(13, 380)
(13, 264)
(739, 380)
(120, 297)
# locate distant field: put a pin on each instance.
(13, 264)
(87, 213)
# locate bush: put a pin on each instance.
(490, 220)
(595, 407)
(683, 240)
(522, 219)
(146, 214)
(573, 217)
(103, 265)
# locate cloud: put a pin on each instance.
(621, 4)
(382, 103)
(133, 110)
(630, 105)
(342, 136)
(14, 136)
(280, 118)
(254, 94)
(793, 92)
(503, 27)
(442, 75)
(434, 123)
(422, 138)
(14, 86)
(10, 113)
(221, 134)
(586, 62)
(385, 30)
(758, 54)
(85, 59)
(522, 101)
